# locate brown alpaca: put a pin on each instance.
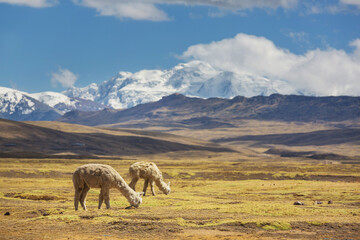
(150, 172)
(104, 177)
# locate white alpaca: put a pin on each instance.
(104, 177)
(150, 173)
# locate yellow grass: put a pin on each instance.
(211, 193)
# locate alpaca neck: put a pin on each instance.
(162, 185)
(125, 190)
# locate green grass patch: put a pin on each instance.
(315, 223)
(63, 218)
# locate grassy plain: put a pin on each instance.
(214, 196)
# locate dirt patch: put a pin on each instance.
(87, 217)
(233, 176)
(146, 229)
(41, 212)
(34, 174)
(299, 230)
(214, 234)
(32, 196)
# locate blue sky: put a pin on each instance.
(51, 45)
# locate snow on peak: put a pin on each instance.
(123, 75)
(230, 84)
(88, 92)
(65, 104)
(17, 105)
(195, 78)
(13, 101)
(52, 98)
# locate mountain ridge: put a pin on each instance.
(177, 108)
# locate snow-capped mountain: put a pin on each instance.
(196, 78)
(66, 104)
(17, 105)
(125, 90)
(230, 84)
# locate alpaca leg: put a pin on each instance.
(133, 183)
(152, 183)
(101, 198)
(146, 183)
(83, 196)
(77, 198)
(107, 198)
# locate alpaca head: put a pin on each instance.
(136, 200)
(168, 190)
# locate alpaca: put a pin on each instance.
(150, 172)
(104, 177)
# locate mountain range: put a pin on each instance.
(249, 95)
(196, 78)
(179, 111)
(126, 90)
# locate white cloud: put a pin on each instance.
(134, 9)
(320, 7)
(321, 72)
(31, 3)
(299, 37)
(148, 9)
(351, 2)
(356, 45)
(65, 77)
(236, 4)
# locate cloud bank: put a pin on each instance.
(150, 10)
(319, 72)
(64, 77)
(32, 3)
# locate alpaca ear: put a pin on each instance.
(141, 194)
(169, 184)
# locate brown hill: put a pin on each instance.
(314, 138)
(61, 138)
(180, 111)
